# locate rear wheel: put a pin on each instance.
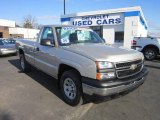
(71, 88)
(150, 53)
(25, 67)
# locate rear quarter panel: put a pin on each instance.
(28, 48)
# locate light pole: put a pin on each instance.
(64, 7)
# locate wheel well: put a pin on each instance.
(151, 46)
(21, 51)
(63, 68)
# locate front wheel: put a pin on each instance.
(71, 88)
(25, 67)
(150, 54)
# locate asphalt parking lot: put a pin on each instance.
(35, 96)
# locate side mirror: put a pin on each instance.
(47, 42)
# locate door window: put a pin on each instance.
(47, 34)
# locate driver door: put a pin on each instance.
(45, 58)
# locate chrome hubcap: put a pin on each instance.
(69, 88)
(22, 63)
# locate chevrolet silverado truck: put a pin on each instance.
(150, 47)
(82, 63)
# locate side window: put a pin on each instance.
(47, 34)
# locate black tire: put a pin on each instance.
(150, 54)
(25, 67)
(76, 78)
(16, 54)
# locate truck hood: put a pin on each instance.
(103, 52)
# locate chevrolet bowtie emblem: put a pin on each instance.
(133, 67)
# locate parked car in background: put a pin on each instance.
(7, 46)
(150, 47)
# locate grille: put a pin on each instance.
(124, 69)
(128, 72)
(127, 64)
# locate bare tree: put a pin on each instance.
(17, 25)
(29, 22)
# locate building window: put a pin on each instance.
(98, 30)
(119, 37)
(1, 35)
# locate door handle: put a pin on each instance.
(37, 48)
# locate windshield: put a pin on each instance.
(74, 35)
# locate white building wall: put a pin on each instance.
(130, 30)
(142, 31)
(28, 33)
(116, 27)
(109, 32)
(7, 23)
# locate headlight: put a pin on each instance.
(102, 70)
(104, 64)
(104, 76)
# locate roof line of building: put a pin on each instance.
(97, 12)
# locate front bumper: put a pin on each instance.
(105, 88)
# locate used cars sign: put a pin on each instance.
(105, 19)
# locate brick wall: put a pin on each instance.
(5, 32)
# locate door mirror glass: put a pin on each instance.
(47, 42)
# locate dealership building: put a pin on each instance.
(8, 29)
(116, 26)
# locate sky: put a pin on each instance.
(49, 11)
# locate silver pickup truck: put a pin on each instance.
(82, 63)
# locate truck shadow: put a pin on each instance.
(151, 66)
(45, 80)
(157, 60)
(155, 64)
(5, 115)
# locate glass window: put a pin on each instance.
(74, 35)
(4, 42)
(47, 34)
(119, 37)
(1, 43)
(98, 30)
(11, 41)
